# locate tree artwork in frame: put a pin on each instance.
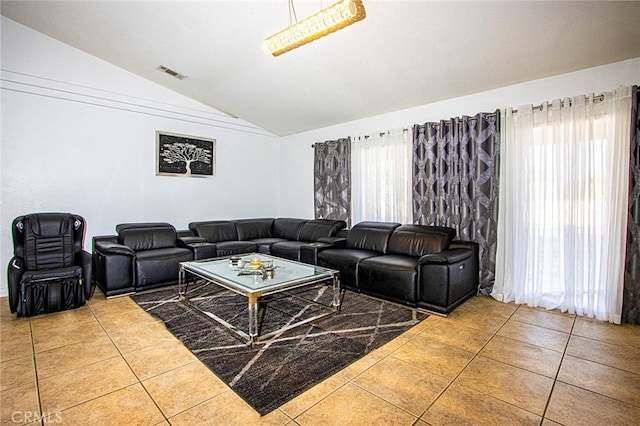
(182, 155)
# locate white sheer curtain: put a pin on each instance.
(563, 205)
(381, 177)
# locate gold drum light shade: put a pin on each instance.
(331, 19)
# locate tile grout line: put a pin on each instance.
(105, 394)
(592, 339)
(140, 381)
(130, 367)
(555, 379)
(35, 368)
(575, 327)
(451, 381)
(494, 334)
(581, 386)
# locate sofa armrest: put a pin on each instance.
(106, 248)
(309, 252)
(102, 238)
(187, 241)
(181, 233)
(200, 248)
(113, 267)
(464, 244)
(448, 278)
(334, 242)
(83, 259)
(14, 273)
(446, 257)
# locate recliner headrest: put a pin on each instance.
(418, 240)
(48, 240)
(372, 236)
(147, 236)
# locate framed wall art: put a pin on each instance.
(182, 155)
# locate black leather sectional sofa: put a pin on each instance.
(144, 256)
(415, 265)
(282, 237)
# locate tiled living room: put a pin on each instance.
(97, 97)
(487, 363)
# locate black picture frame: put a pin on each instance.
(184, 155)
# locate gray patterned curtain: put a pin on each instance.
(455, 182)
(631, 295)
(332, 180)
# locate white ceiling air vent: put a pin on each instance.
(171, 72)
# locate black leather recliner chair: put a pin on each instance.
(50, 271)
(142, 256)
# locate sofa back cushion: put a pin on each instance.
(147, 236)
(372, 236)
(288, 229)
(215, 231)
(251, 229)
(418, 240)
(318, 228)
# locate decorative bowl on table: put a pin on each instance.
(236, 262)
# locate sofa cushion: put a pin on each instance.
(228, 248)
(160, 266)
(214, 231)
(318, 228)
(391, 276)
(251, 229)
(372, 236)
(346, 261)
(264, 244)
(418, 240)
(286, 228)
(148, 237)
(288, 249)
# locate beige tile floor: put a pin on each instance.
(109, 362)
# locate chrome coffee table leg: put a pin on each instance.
(182, 285)
(336, 291)
(253, 316)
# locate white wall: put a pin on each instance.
(296, 154)
(78, 135)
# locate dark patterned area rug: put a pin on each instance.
(269, 374)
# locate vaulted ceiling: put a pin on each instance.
(404, 54)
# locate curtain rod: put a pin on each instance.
(404, 129)
(598, 98)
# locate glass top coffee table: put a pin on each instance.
(254, 276)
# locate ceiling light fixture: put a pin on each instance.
(328, 20)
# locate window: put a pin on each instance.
(381, 177)
(563, 205)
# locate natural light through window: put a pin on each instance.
(562, 223)
(381, 177)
